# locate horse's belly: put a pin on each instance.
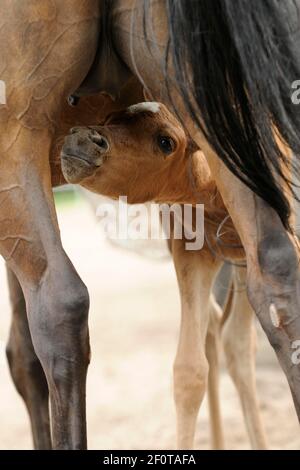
(49, 48)
(144, 56)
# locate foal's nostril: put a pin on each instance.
(100, 141)
(74, 130)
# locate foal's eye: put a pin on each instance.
(166, 144)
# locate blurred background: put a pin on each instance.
(134, 325)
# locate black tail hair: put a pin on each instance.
(235, 63)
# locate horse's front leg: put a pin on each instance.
(26, 369)
(272, 269)
(195, 274)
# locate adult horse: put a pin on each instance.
(231, 86)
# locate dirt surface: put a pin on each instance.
(134, 321)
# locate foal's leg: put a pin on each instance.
(239, 346)
(212, 354)
(195, 275)
(26, 369)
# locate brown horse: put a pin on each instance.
(143, 152)
(49, 49)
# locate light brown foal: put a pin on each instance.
(144, 153)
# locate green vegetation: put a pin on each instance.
(66, 196)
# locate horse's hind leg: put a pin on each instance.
(26, 369)
(37, 80)
(239, 347)
(56, 299)
(273, 281)
(273, 278)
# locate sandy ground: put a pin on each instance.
(134, 321)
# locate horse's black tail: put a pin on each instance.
(239, 56)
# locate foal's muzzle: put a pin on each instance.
(83, 152)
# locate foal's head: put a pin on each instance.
(142, 152)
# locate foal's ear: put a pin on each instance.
(112, 117)
(147, 95)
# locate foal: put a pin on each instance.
(145, 154)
